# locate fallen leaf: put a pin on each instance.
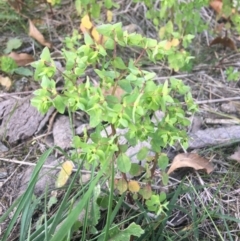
(190, 160)
(118, 92)
(86, 22)
(34, 33)
(5, 82)
(216, 5)
(236, 155)
(225, 41)
(133, 186)
(21, 59)
(64, 174)
(16, 4)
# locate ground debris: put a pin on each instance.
(62, 133)
(214, 136)
(19, 120)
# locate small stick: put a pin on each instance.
(217, 100)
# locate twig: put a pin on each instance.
(44, 166)
(217, 100)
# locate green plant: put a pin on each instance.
(232, 74)
(7, 64)
(125, 99)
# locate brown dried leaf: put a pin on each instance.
(34, 33)
(216, 5)
(21, 59)
(236, 155)
(226, 42)
(16, 4)
(190, 160)
(5, 82)
(118, 92)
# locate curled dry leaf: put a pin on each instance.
(190, 160)
(21, 59)
(5, 82)
(34, 33)
(236, 155)
(216, 5)
(226, 42)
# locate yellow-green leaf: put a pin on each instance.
(64, 174)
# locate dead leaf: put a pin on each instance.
(190, 160)
(216, 5)
(34, 33)
(236, 155)
(21, 59)
(86, 22)
(133, 186)
(64, 174)
(109, 16)
(16, 4)
(225, 41)
(96, 36)
(118, 92)
(5, 82)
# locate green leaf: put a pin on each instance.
(134, 39)
(58, 103)
(95, 10)
(109, 44)
(142, 154)
(105, 29)
(78, 6)
(45, 55)
(163, 161)
(13, 43)
(123, 163)
(125, 234)
(108, 4)
(136, 169)
(87, 39)
(23, 71)
(118, 63)
(125, 85)
(165, 178)
(7, 64)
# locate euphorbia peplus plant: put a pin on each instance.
(132, 110)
